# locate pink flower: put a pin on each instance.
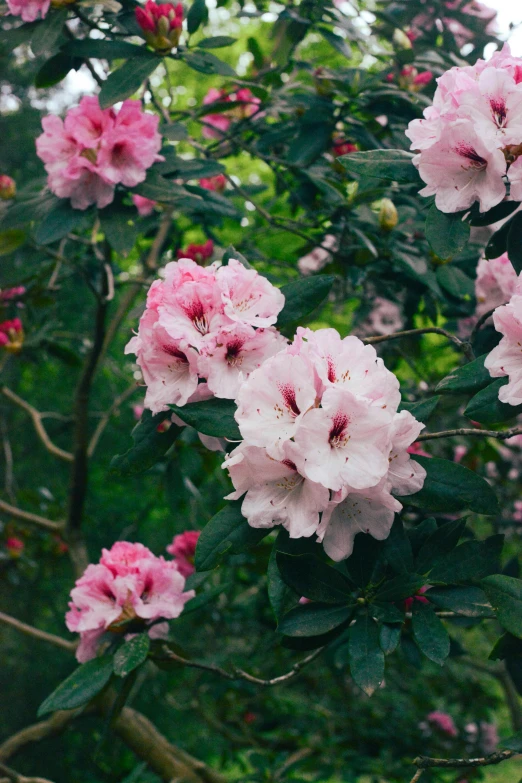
(408, 602)
(343, 147)
(128, 589)
(404, 474)
(169, 366)
(93, 150)
(216, 125)
(183, 548)
(217, 183)
(137, 411)
(145, 206)
(198, 253)
(495, 283)
(459, 453)
(319, 257)
(506, 358)
(248, 297)
(12, 293)
(232, 353)
(29, 10)
(15, 546)
(276, 493)
(7, 187)
(443, 722)
(12, 335)
(193, 311)
(161, 24)
(385, 317)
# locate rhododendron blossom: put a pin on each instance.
(198, 253)
(94, 149)
(217, 124)
(183, 549)
(495, 283)
(161, 24)
(145, 206)
(12, 335)
(29, 10)
(506, 358)
(129, 589)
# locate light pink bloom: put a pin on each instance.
(129, 585)
(183, 549)
(145, 206)
(215, 125)
(405, 475)
(385, 317)
(443, 722)
(29, 10)
(169, 366)
(319, 257)
(276, 493)
(192, 311)
(231, 354)
(494, 106)
(248, 297)
(272, 402)
(506, 358)
(424, 133)
(495, 283)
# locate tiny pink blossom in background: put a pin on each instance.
(419, 596)
(385, 318)
(343, 147)
(12, 335)
(495, 283)
(198, 253)
(7, 187)
(217, 124)
(12, 293)
(15, 546)
(95, 149)
(130, 585)
(506, 358)
(29, 10)
(183, 549)
(217, 183)
(319, 257)
(145, 206)
(443, 722)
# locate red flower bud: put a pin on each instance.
(161, 24)
(7, 187)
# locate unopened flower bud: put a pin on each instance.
(161, 24)
(7, 187)
(401, 40)
(388, 216)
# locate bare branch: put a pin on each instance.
(417, 775)
(14, 777)
(106, 418)
(424, 762)
(36, 418)
(27, 516)
(55, 724)
(43, 636)
(462, 345)
(468, 432)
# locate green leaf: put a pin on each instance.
(313, 619)
(443, 540)
(429, 633)
(216, 42)
(211, 417)
(505, 595)
(149, 445)
(389, 638)
(364, 558)
(80, 687)
(499, 212)
(464, 601)
(48, 32)
(497, 245)
(512, 743)
(486, 407)
(311, 141)
(470, 561)
(10, 240)
(470, 378)
(107, 50)
(197, 15)
(160, 189)
(450, 487)
(126, 80)
(446, 232)
(514, 242)
(397, 549)
(227, 531)
(131, 654)
(386, 613)
(208, 63)
(303, 296)
(394, 165)
(420, 533)
(231, 252)
(58, 223)
(204, 598)
(455, 282)
(313, 578)
(400, 587)
(336, 41)
(282, 598)
(117, 224)
(174, 132)
(366, 656)
(421, 410)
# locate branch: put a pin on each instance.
(462, 345)
(13, 776)
(417, 775)
(498, 434)
(36, 417)
(106, 418)
(424, 762)
(43, 636)
(27, 516)
(239, 674)
(55, 724)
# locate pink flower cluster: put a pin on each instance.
(217, 124)
(29, 10)
(94, 150)
(443, 722)
(128, 590)
(161, 24)
(473, 8)
(506, 358)
(212, 323)
(324, 446)
(469, 142)
(12, 335)
(12, 293)
(183, 549)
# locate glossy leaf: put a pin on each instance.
(469, 378)
(126, 80)
(303, 296)
(48, 32)
(313, 578)
(464, 601)
(131, 654)
(389, 638)
(211, 417)
(505, 595)
(393, 165)
(206, 62)
(455, 282)
(216, 42)
(58, 223)
(486, 407)
(227, 532)
(514, 242)
(366, 655)
(397, 549)
(429, 633)
(422, 410)
(80, 687)
(282, 598)
(446, 232)
(149, 445)
(313, 619)
(443, 540)
(469, 562)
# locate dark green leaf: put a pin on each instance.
(386, 613)
(389, 638)
(464, 601)
(313, 579)
(336, 41)
(455, 282)
(486, 407)
(206, 62)
(397, 549)
(497, 245)
(174, 132)
(10, 240)
(211, 417)
(400, 587)
(514, 242)
(282, 598)
(80, 687)
(231, 252)
(470, 561)
(512, 743)
(470, 378)
(131, 654)
(311, 141)
(216, 42)
(204, 598)
(227, 531)
(421, 410)
(120, 231)
(366, 656)
(55, 69)
(126, 80)
(505, 595)
(303, 296)
(450, 487)
(107, 50)
(48, 32)
(197, 15)
(313, 619)
(160, 189)
(429, 633)
(58, 223)
(384, 164)
(149, 445)
(420, 533)
(446, 232)
(440, 542)
(501, 211)
(364, 558)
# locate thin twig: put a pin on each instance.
(499, 435)
(28, 516)
(100, 427)
(36, 417)
(462, 345)
(424, 762)
(417, 775)
(14, 777)
(43, 636)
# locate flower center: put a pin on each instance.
(338, 436)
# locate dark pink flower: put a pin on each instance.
(161, 24)
(197, 253)
(12, 335)
(7, 187)
(217, 183)
(145, 206)
(15, 546)
(183, 549)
